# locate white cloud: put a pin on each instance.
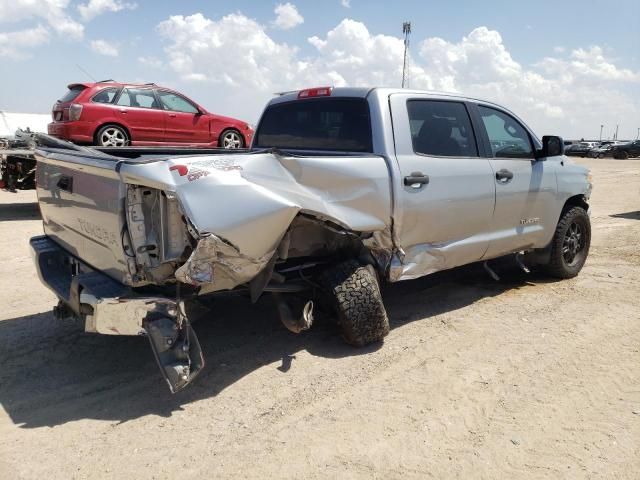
(151, 62)
(346, 3)
(12, 44)
(287, 16)
(569, 96)
(93, 8)
(105, 48)
(53, 11)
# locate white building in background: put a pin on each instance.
(10, 122)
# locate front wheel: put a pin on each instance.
(570, 244)
(112, 136)
(231, 139)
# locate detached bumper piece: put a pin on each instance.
(176, 349)
(107, 307)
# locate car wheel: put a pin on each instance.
(570, 244)
(231, 139)
(112, 136)
(623, 155)
(601, 155)
(357, 300)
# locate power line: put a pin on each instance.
(406, 31)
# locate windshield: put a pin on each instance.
(340, 124)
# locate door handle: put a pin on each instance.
(172, 115)
(123, 110)
(504, 175)
(416, 180)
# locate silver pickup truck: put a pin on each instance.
(343, 188)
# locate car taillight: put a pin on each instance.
(75, 110)
(315, 92)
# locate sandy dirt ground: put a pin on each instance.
(522, 378)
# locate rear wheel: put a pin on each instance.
(231, 139)
(570, 244)
(358, 303)
(112, 136)
(622, 155)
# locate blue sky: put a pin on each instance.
(562, 66)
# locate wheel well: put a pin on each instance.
(575, 201)
(115, 124)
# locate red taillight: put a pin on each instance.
(75, 110)
(181, 169)
(315, 92)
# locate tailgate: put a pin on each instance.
(81, 201)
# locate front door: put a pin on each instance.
(446, 193)
(525, 187)
(184, 122)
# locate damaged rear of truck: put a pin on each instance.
(131, 233)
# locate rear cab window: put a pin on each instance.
(320, 124)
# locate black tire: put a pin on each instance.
(112, 136)
(570, 244)
(231, 139)
(356, 297)
(622, 155)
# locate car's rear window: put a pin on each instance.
(72, 93)
(339, 124)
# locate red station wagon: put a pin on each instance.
(116, 114)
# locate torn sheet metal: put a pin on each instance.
(217, 265)
(250, 199)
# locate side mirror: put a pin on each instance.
(552, 146)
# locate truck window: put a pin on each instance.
(340, 124)
(508, 138)
(441, 128)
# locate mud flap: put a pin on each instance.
(176, 349)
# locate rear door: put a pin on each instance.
(525, 187)
(184, 123)
(140, 111)
(447, 192)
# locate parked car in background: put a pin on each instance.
(113, 114)
(626, 150)
(580, 149)
(603, 150)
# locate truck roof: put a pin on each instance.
(364, 92)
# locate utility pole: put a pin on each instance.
(406, 31)
(616, 136)
(638, 134)
(601, 127)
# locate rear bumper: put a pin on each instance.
(102, 304)
(75, 131)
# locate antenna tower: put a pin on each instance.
(406, 31)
